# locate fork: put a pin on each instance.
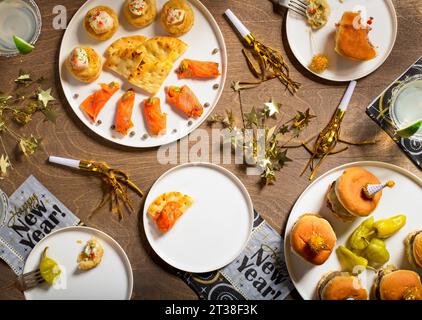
(25, 281)
(298, 6)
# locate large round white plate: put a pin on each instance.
(204, 37)
(215, 230)
(404, 198)
(382, 36)
(110, 280)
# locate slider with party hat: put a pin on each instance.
(356, 193)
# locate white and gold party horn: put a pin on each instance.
(271, 57)
(97, 167)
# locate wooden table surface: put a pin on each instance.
(70, 138)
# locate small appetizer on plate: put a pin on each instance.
(123, 120)
(91, 256)
(93, 105)
(318, 13)
(156, 120)
(159, 55)
(177, 17)
(352, 38)
(84, 64)
(185, 101)
(140, 13)
(192, 69)
(341, 286)
(413, 244)
(168, 208)
(313, 238)
(101, 23)
(347, 197)
(395, 284)
(124, 55)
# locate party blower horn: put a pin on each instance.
(329, 136)
(116, 181)
(272, 58)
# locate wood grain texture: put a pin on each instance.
(70, 138)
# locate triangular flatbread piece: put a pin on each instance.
(125, 55)
(160, 53)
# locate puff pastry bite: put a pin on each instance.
(101, 23)
(168, 208)
(92, 255)
(177, 17)
(84, 64)
(140, 13)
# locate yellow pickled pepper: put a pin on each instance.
(387, 227)
(349, 261)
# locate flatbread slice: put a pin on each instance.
(125, 55)
(160, 53)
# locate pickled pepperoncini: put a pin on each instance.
(350, 261)
(376, 253)
(361, 237)
(387, 227)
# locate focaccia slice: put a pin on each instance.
(160, 53)
(125, 55)
(168, 208)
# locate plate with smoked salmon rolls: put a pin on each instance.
(148, 89)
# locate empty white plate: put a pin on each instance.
(211, 233)
(382, 36)
(112, 279)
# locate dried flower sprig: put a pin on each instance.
(248, 141)
(20, 105)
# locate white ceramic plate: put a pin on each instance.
(110, 280)
(404, 198)
(215, 230)
(204, 37)
(382, 36)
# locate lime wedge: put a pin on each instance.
(23, 46)
(49, 268)
(410, 130)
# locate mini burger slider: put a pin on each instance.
(341, 286)
(313, 238)
(355, 194)
(395, 284)
(413, 244)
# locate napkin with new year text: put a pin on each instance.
(33, 213)
(258, 273)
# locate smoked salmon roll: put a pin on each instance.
(184, 100)
(156, 120)
(93, 105)
(192, 69)
(123, 120)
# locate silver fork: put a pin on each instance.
(298, 6)
(25, 281)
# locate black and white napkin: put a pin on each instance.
(259, 273)
(379, 111)
(33, 213)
